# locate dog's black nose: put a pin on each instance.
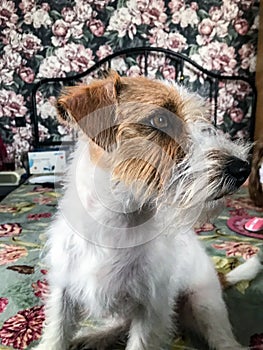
(238, 169)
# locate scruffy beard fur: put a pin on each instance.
(122, 249)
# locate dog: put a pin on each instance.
(122, 248)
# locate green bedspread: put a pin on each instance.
(25, 215)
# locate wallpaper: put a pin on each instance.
(57, 38)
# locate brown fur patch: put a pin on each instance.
(116, 112)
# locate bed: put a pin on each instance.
(27, 212)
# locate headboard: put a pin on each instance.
(232, 99)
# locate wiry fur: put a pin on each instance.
(122, 247)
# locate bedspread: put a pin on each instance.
(25, 215)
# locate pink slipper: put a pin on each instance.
(254, 225)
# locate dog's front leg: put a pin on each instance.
(211, 318)
(61, 320)
(150, 329)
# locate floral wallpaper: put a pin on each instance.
(57, 38)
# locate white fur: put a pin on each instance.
(100, 267)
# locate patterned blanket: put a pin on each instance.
(25, 215)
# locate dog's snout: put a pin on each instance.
(238, 169)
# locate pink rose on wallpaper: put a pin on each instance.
(83, 11)
(11, 59)
(158, 37)
(186, 17)
(47, 109)
(215, 13)
(236, 114)
(8, 14)
(176, 42)
(75, 57)
(100, 4)
(6, 76)
(20, 146)
(230, 10)
(194, 6)
(96, 27)
(26, 5)
(11, 104)
(60, 28)
(76, 30)
(124, 22)
(38, 18)
(134, 71)
(207, 30)
(23, 328)
(10, 230)
(31, 44)
(27, 74)
(11, 253)
(206, 27)
(43, 132)
(103, 51)
(11, 39)
(245, 250)
(153, 13)
(3, 304)
(155, 63)
(50, 67)
(225, 101)
(176, 5)
(168, 72)
(240, 89)
(222, 28)
(241, 26)
(218, 56)
(45, 6)
(25, 134)
(248, 57)
(119, 65)
(247, 50)
(68, 14)
(243, 89)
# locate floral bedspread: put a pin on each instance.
(25, 215)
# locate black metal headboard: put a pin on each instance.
(211, 82)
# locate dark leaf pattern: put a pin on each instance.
(24, 269)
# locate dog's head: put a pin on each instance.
(155, 138)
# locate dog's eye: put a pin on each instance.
(160, 122)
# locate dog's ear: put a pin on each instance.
(92, 107)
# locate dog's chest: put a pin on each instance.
(119, 282)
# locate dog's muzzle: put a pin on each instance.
(237, 170)
(235, 173)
